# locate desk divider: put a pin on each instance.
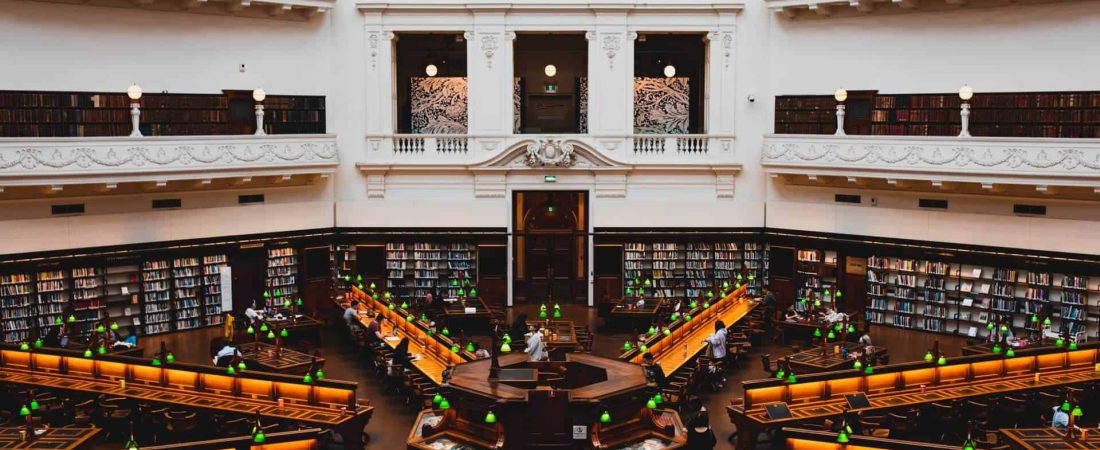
(677, 334)
(823, 386)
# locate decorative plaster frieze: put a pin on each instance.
(1002, 157)
(376, 185)
(493, 185)
(610, 185)
(611, 44)
(724, 183)
(376, 39)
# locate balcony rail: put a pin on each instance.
(1011, 160)
(470, 149)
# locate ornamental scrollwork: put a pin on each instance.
(550, 153)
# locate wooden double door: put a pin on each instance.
(550, 247)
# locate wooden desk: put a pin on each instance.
(456, 310)
(621, 377)
(625, 311)
(329, 404)
(290, 361)
(1047, 439)
(375, 306)
(52, 439)
(136, 352)
(299, 326)
(821, 396)
(307, 439)
(987, 349)
(805, 330)
(563, 333)
(446, 427)
(434, 356)
(800, 439)
(812, 361)
(674, 325)
(685, 342)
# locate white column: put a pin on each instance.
(721, 93)
(381, 103)
(611, 80)
(489, 69)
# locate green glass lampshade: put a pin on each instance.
(263, 327)
(557, 313)
(87, 353)
(101, 350)
(372, 285)
(386, 295)
(1034, 318)
(791, 378)
(72, 318)
(989, 326)
(842, 437)
(374, 296)
(831, 335)
(928, 357)
(1065, 406)
(320, 374)
(38, 343)
(673, 316)
(24, 411)
(170, 358)
(1077, 412)
(461, 293)
(739, 278)
(693, 304)
(490, 417)
(1010, 353)
(997, 349)
(505, 348)
(267, 295)
(307, 379)
(241, 366)
(851, 328)
(648, 282)
(360, 286)
(542, 314)
(826, 293)
(942, 360)
(156, 361)
(438, 398)
(250, 330)
(780, 374)
(627, 346)
(557, 306)
(737, 285)
(404, 305)
(259, 438)
(629, 291)
(430, 332)
(667, 331)
(752, 277)
(423, 317)
(392, 306)
(857, 365)
(1004, 328)
(542, 307)
(637, 282)
(358, 278)
(869, 370)
(658, 399)
(229, 371)
(710, 294)
(444, 404)
(1073, 345)
(650, 404)
(508, 339)
(271, 335)
(706, 305)
(817, 332)
(605, 417)
(347, 277)
(652, 329)
(446, 331)
(1046, 322)
(454, 282)
(837, 294)
(687, 317)
(35, 405)
(100, 328)
(473, 292)
(454, 348)
(114, 326)
(286, 304)
(24, 346)
(968, 445)
(283, 333)
(837, 327)
(644, 348)
(1059, 342)
(817, 302)
(410, 318)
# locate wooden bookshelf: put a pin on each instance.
(699, 273)
(212, 268)
(416, 268)
(815, 277)
(17, 309)
(668, 270)
(85, 114)
(52, 299)
(123, 292)
(1009, 114)
(755, 263)
(156, 289)
(87, 298)
(690, 270)
(282, 275)
(187, 284)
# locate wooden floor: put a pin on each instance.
(392, 420)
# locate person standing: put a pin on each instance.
(700, 435)
(717, 341)
(536, 349)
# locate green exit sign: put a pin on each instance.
(550, 178)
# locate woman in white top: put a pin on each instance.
(717, 341)
(251, 313)
(536, 349)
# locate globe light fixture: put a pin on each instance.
(670, 71)
(965, 94)
(550, 70)
(840, 95)
(431, 70)
(259, 95)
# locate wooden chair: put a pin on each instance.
(179, 424)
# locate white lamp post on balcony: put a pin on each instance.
(134, 92)
(840, 95)
(259, 95)
(965, 93)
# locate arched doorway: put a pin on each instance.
(550, 246)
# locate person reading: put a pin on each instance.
(653, 371)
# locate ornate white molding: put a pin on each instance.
(376, 39)
(550, 153)
(611, 44)
(23, 161)
(489, 42)
(1076, 161)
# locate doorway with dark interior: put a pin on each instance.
(550, 245)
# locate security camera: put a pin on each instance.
(752, 98)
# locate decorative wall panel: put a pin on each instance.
(517, 104)
(582, 103)
(661, 105)
(439, 105)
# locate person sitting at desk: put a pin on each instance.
(653, 371)
(717, 341)
(401, 358)
(53, 337)
(1060, 420)
(536, 349)
(792, 314)
(374, 331)
(251, 313)
(223, 356)
(351, 314)
(129, 342)
(480, 353)
(865, 339)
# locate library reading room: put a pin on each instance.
(549, 224)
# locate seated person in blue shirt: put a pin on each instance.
(1060, 419)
